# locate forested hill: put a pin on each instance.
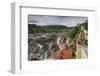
(33, 28)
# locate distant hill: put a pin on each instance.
(33, 28)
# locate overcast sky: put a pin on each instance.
(55, 20)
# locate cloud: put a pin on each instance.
(55, 20)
